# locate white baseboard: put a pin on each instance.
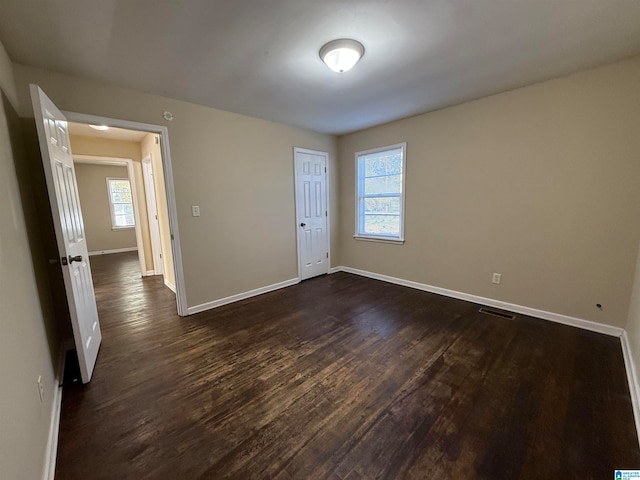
(115, 250)
(241, 296)
(512, 307)
(51, 453)
(632, 377)
(148, 273)
(170, 285)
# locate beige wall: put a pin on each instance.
(539, 184)
(94, 200)
(7, 79)
(151, 149)
(239, 170)
(29, 340)
(104, 147)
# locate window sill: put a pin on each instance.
(396, 241)
(123, 228)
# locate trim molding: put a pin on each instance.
(242, 296)
(49, 471)
(169, 285)
(632, 377)
(149, 273)
(115, 250)
(533, 312)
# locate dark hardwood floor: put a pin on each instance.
(340, 377)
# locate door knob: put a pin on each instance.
(303, 224)
(77, 258)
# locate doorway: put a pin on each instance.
(132, 217)
(159, 167)
(96, 178)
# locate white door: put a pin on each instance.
(311, 212)
(69, 226)
(152, 212)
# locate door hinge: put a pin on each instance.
(325, 169)
(172, 236)
(327, 254)
(326, 213)
(160, 255)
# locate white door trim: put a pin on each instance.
(121, 162)
(154, 228)
(181, 295)
(327, 174)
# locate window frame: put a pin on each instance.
(111, 209)
(359, 197)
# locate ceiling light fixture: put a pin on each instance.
(99, 127)
(341, 55)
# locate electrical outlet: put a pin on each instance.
(40, 388)
(195, 210)
(497, 278)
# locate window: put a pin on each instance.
(120, 203)
(380, 193)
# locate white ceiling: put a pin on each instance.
(82, 130)
(260, 57)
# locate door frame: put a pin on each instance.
(327, 174)
(154, 233)
(121, 162)
(163, 132)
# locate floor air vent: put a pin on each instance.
(497, 313)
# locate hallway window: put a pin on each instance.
(120, 203)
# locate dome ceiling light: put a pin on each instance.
(99, 127)
(341, 55)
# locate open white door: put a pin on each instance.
(311, 212)
(69, 226)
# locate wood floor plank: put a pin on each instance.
(344, 378)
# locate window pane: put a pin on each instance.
(125, 221)
(382, 224)
(390, 184)
(128, 209)
(382, 205)
(374, 167)
(394, 164)
(383, 163)
(121, 197)
(123, 209)
(120, 185)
